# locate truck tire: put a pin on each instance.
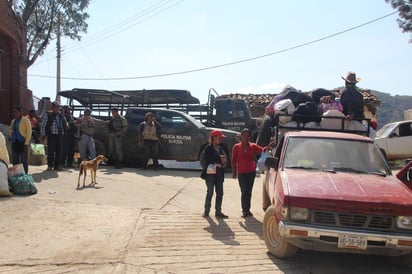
(276, 245)
(265, 197)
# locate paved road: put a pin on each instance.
(141, 221)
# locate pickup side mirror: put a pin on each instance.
(271, 162)
(405, 174)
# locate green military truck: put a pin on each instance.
(183, 136)
(220, 111)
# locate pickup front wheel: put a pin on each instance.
(275, 243)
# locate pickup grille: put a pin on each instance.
(348, 220)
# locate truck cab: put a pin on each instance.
(234, 114)
(334, 192)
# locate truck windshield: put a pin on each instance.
(334, 155)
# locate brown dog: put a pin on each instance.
(91, 165)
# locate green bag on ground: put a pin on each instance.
(37, 150)
(23, 184)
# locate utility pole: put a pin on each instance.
(58, 48)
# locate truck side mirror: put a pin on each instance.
(271, 162)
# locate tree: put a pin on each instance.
(405, 13)
(44, 19)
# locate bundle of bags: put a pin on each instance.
(309, 109)
(13, 179)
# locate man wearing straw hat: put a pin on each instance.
(351, 98)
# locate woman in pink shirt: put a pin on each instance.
(244, 167)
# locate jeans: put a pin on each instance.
(246, 181)
(54, 144)
(86, 143)
(151, 152)
(20, 156)
(68, 148)
(214, 182)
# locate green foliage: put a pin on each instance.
(42, 17)
(405, 13)
(392, 107)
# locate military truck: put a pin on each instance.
(220, 111)
(183, 138)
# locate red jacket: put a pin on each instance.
(244, 158)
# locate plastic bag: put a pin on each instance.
(4, 182)
(261, 162)
(211, 169)
(16, 170)
(4, 153)
(23, 185)
(284, 106)
(37, 150)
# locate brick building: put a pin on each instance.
(13, 71)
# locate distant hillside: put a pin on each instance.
(392, 107)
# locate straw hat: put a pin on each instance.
(351, 78)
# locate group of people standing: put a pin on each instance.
(243, 164)
(63, 133)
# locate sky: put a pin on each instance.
(231, 46)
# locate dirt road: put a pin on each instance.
(142, 221)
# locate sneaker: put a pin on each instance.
(58, 169)
(49, 168)
(221, 215)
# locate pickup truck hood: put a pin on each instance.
(320, 189)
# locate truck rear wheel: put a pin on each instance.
(275, 243)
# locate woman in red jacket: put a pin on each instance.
(244, 167)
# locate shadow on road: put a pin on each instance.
(221, 231)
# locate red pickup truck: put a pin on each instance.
(334, 192)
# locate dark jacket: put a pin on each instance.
(212, 156)
(352, 102)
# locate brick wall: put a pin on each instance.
(13, 72)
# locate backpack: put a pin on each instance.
(307, 112)
(202, 159)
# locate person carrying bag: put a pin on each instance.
(214, 174)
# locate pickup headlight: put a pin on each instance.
(297, 213)
(404, 222)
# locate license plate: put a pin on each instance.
(352, 242)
